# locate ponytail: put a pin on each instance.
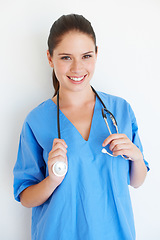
(55, 83)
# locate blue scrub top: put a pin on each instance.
(93, 201)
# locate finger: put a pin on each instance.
(125, 153)
(57, 140)
(120, 147)
(112, 137)
(57, 159)
(58, 152)
(59, 145)
(119, 143)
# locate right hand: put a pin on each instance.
(58, 153)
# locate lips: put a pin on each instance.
(77, 79)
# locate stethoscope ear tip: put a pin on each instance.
(104, 150)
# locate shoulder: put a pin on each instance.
(40, 125)
(117, 105)
(41, 117)
(112, 99)
(42, 111)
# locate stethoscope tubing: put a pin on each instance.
(58, 119)
(103, 114)
(113, 118)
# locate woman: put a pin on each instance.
(91, 200)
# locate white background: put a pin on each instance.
(128, 36)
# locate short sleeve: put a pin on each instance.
(135, 136)
(30, 166)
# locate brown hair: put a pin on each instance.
(64, 24)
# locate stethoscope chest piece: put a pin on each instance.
(59, 169)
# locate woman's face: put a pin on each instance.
(74, 60)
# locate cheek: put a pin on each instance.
(91, 67)
(60, 69)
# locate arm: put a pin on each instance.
(138, 173)
(37, 194)
(120, 144)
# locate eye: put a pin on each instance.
(87, 56)
(66, 58)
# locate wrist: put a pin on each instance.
(138, 158)
(139, 162)
(50, 183)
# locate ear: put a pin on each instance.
(50, 59)
(96, 51)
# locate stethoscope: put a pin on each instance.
(60, 168)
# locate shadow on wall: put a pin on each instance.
(18, 226)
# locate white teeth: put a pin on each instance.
(76, 79)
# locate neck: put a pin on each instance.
(75, 99)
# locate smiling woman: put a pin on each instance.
(77, 191)
(73, 59)
(64, 27)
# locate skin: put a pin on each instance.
(75, 57)
(120, 144)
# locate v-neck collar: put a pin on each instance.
(73, 126)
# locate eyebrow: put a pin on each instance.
(68, 54)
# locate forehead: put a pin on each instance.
(75, 42)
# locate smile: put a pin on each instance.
(77, 79)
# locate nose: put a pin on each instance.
(76, 66)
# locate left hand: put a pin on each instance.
(120, 144)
